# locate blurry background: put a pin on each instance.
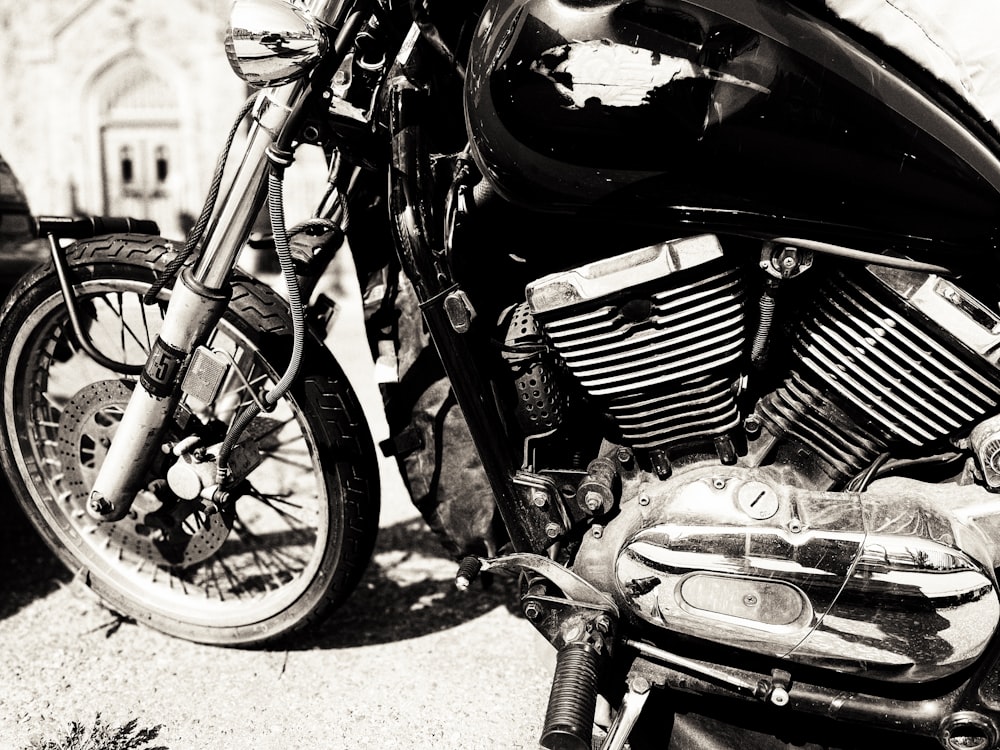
(120, 107)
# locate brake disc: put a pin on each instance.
(159, 528)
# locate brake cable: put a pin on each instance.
(280, 160)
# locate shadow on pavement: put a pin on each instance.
(30, 570)
(408, 591)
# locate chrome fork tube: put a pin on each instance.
(245, 194)
(333, 12)
(196, 305)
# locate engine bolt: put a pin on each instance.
(539, 498)
(719, 484)
(532, 610)
(624, 456)
(644, 499)
(98, 504)
(750, 600)
(553, 530)
(574, 633)
(639, 685)
(602, 624)
(593, 500)
(752, 425)
(779, 696)
(597, 531)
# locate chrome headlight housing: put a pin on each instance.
(270, 42)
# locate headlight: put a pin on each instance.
(270, 42)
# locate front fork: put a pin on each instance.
(196, 306)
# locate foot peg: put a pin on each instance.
(584, 643)
(468, 571)
(580, 621)
(569, 720)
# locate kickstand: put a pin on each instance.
(632, 704)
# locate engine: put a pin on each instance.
(881, 359)
(739, 524)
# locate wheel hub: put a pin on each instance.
(160, 527)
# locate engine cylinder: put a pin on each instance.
(655, 336)
(886, 358)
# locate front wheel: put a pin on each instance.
(294, 537)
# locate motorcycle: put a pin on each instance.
(705, 280)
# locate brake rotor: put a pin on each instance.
(159, 528)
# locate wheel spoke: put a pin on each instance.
(126, 332)
(273, 549)
(275, 428)
(272, 502)
(284, 461)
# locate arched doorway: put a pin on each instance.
(140, 145)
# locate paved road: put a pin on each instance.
(407, 663)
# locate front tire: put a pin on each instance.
(296, 538)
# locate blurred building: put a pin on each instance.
(117, 107)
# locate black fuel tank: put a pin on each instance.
(751, 116)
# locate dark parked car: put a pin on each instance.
(19, 251)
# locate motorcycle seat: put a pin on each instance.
(954, 41)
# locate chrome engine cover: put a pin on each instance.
(896, 583)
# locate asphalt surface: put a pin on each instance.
(408, 662)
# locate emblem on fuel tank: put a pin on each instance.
(618, 75)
